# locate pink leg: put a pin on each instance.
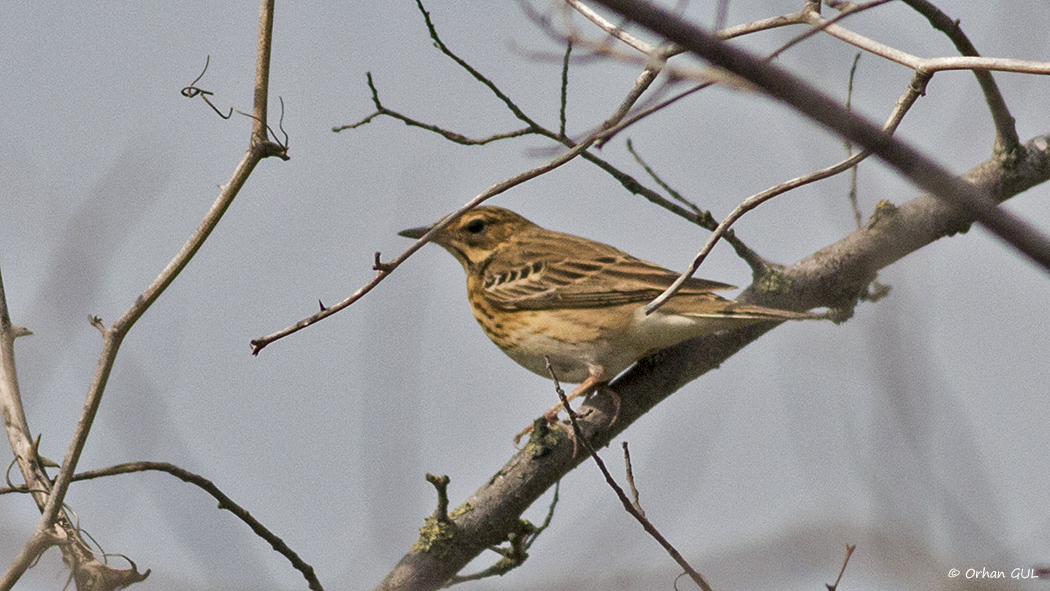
(585, 389)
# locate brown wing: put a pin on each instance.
(593, 275)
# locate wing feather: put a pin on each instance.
(594, 275)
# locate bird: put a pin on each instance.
(545, 297)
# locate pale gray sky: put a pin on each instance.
(916, 430)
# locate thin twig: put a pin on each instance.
(915, 89)
(703, 218)
(630, 479)
(225, 502)
(547, 519)
(666, 187)
(850, 11)
(1006, 140)
(933, 64)
(798, 94)
(260, 147)
(611, 29)
(800, 17)
(470, 69)
(849, 146)
(849, 552)
(449, 135)
(564, 89)
(624, 500)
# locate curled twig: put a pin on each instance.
(193, 90)
(282, 151)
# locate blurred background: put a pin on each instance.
(917, 430)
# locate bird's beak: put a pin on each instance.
(415, 232)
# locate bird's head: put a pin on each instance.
(478, 234)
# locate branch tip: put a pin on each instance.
(441, 486)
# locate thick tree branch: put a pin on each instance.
(915, 89)
(833, 276)
(785, 87)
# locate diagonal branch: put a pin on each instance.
(76, 552)
(786, 87)
(225, 502)
(632, 508)
(829, 277)
(916, 88)
(260, 147)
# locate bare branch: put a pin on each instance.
(854, 205)
(564, 89)
(914, 91)
(933, 64)
(1006, 140)
(449, 135)
(225, 502)
(611, 29)
(831, 277)
(630, 479)
(845, 561)
(260, 147)
(795, 92)
(628, 506)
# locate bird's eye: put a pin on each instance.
(475, 226)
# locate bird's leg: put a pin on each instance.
(588, 387)
(585, 389)
(615, 398)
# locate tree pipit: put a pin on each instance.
(541, 294)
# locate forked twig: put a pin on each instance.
(628, 506)
(260, 147)
(449, 135)
(225, 503)
(912, 94)
(1006, 140)
(798, 94)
